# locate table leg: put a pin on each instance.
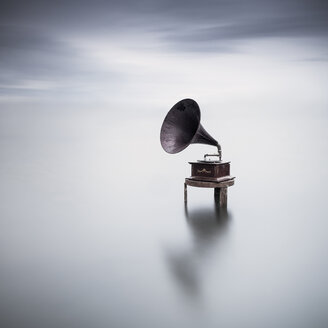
(221, 196)
(185, 193)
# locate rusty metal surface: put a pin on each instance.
(181, 127)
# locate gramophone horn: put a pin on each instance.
(181, 127)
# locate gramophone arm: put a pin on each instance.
(219, 154)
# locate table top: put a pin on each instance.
(209, 162)
(210, 184)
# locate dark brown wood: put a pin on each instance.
(217, 194)
(225, 178)
(210, 170)
(220, 189)
(223, 196)
(185, 193)
(209, 184)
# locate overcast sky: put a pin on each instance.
(107, 49)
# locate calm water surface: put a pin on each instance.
(94, 231)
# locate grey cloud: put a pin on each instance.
(30, 54)
(190, 21)
(218, 36)
(274, 17)
(32, 33)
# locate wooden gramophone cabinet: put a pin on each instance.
(209, 174)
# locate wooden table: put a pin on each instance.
(220, 188)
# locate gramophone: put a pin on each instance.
(181, 127)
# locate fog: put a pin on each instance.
(93, 228)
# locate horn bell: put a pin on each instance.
(181, 127)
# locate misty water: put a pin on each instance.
(95, 233)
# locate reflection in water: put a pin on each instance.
(206, 225)
(208, 228)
